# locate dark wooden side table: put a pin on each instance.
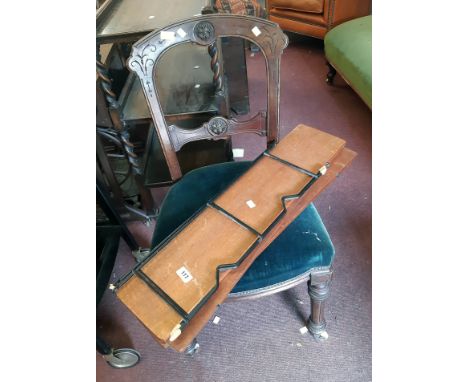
(188, 98)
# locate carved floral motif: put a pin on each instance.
(204, 31)
(217, 126)
(144, 61)
(274, 41)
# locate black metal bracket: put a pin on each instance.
(156, 289)
(234, 219)
(289, 164)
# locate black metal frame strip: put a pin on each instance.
(156, 289)
(187, 316)
(289, 164)
(234, 219)
(122, 280)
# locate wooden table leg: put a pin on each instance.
(316, 323)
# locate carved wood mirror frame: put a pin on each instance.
(205, 30)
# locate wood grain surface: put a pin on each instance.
(207, 311)
(212, 238)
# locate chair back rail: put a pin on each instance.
(205, 30)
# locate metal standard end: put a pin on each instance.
(175, 333)
(111, 287)
(323, 170)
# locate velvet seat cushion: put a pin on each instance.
(348, 47)
(304, 245)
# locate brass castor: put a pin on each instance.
(122, 358)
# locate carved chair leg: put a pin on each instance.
(331, 74)
(316, 323)
(192, 348)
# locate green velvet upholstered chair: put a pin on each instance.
(348, 50)
(304, 251)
